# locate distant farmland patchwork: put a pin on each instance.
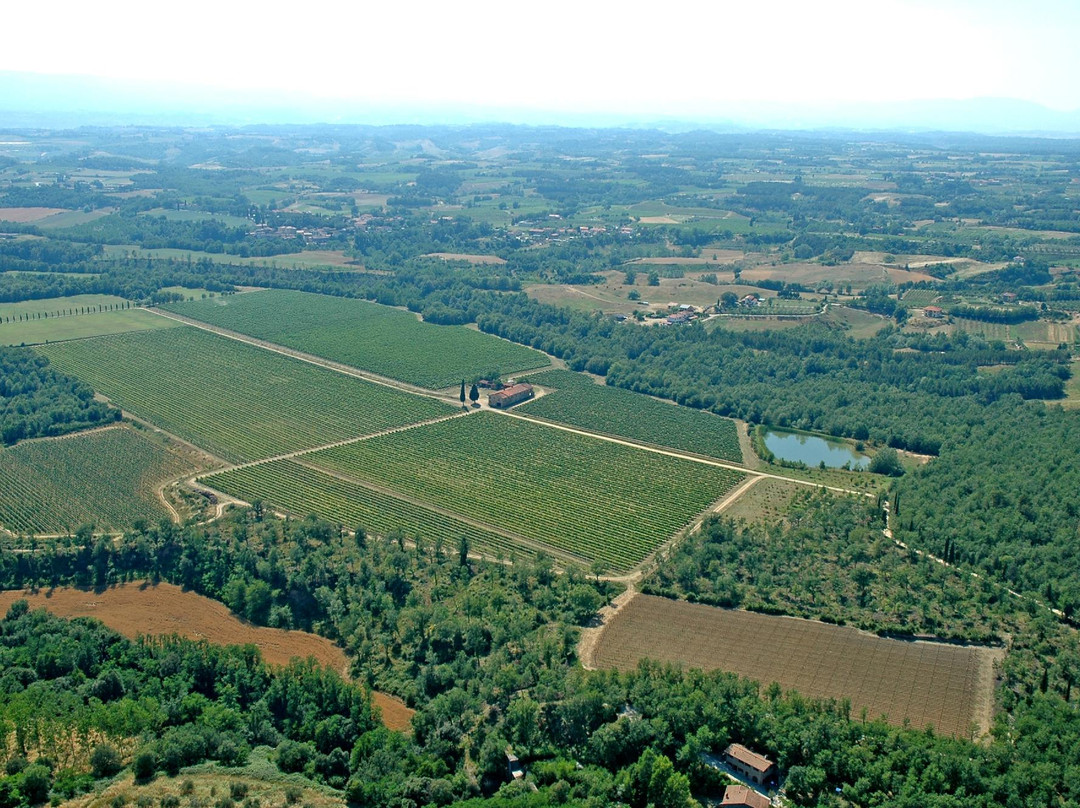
(384, 340)
(612, 410)
(107, 478)
(235, 400)
(927, 683)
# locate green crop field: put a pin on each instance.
(108, 477)
(591, 498)
(58, 306)
(614, 411)
(381, 339)
(235, 400)
(54, 329)
(920, 297)
(301, 491)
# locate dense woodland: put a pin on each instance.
(36, 401)
(485, 651)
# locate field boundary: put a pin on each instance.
(311, 359)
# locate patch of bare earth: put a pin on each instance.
(23, 215)
(948, 686)
(164, 609)
(470, 257)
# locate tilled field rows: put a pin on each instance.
(927, 683)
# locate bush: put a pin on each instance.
(36, 782)
(238, 790)
(887, 462)
(144, 765)
(105, 761)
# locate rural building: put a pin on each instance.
(744, 797)
(756, 768)
(934, 311)
(679, 318)
(750, 301)
(509, 396)
(1008, 297)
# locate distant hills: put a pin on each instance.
(30, 100)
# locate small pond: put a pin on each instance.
(812, 450)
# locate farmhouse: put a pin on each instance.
(934, 311)
(750, 301)
(1008, 297)
(509, 396)
(744, 797)
(754, 767)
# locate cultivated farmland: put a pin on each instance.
(928, 683)
(55, 329)
(235, 400)
(381, 339)
(591, 498)
(615, 411)
(300, 490)
(165, 609)
(108, 477)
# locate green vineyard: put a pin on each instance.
(108, 478)
(381, 339)
(590, 498)
(235, 400)
(295, 488)
(614, 411)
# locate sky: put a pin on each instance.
(654, 59)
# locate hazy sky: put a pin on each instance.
(654, 58)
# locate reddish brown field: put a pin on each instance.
(928, 683)
(145, 609)
(23, 215)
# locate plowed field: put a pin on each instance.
(928, 683)
(135, 609)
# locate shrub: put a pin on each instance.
(105, 761)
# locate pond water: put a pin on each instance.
(812, 450)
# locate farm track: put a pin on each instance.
(453, 400)
(335, 444)
(590, 637)
(311, 359)
(390, 492)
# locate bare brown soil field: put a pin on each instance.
(472, 259)
(23, 215)
(163, 609)
(859, 275)
(927, 683)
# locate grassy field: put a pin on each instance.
(593, 499)
(54, 306)
(309, 259)
(765, 501)
(949, 687)
(55, 329)
(381, 339)
(581, 402)
(287, 485)
(235, 400)
(107, 477)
